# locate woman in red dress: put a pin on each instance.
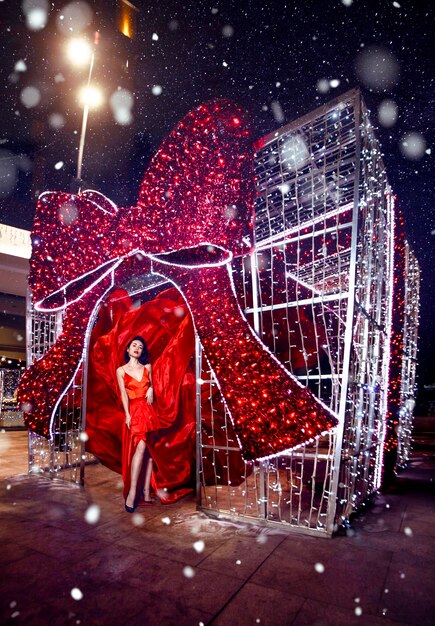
(135, 385)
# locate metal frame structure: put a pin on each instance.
(317, 288)
(64, 452)
(409, 356)
(318, 291)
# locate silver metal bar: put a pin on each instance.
(198, 368)
(333, 297)
(351, 96)
(255, 309)
(301, 237)
(219, 448)
(332, 506)
(284, 237)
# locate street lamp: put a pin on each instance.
(91, 97)
(79, 52)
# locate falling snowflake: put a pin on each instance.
(76, 594)
(188, 571)
(92, 514)
(199, 546)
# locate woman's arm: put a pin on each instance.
(150, 393)
(124, 397)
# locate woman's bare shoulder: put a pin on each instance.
(120, 371)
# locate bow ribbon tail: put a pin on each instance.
(270, 410)
(46, 382)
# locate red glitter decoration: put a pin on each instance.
(193, 214)
(270, 410)
(44, 384)
(396, 354)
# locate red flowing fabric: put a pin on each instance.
(167, 328)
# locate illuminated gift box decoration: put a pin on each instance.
(322, 262)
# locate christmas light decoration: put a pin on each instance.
(317, 286)
(401, 396)
(319, 290)
(193, 215)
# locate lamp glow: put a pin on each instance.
(91, 97)
(79, 52)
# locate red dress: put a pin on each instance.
(143, 417)
(143, 421)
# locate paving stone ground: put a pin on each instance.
(56, 568)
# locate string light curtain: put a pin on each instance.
(318, 289)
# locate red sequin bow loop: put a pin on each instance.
(194, 212)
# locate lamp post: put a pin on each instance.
(86, 104)
(80, 52)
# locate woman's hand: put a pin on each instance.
(128, 420)
(150, 395)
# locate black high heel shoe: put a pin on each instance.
(130, 509)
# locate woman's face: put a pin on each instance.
(135, 349)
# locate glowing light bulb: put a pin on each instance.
(91, 97)
(79, 52)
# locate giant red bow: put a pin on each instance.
(193, 214)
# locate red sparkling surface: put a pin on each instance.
(396, 355)
(44, 383)
(270, 410)
(198, 190)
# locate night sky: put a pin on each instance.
(279, 60)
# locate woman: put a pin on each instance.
(135, 384)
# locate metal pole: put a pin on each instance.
(198, 369)
(342, 414)
(29, 361)
(84, 123)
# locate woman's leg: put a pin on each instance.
(136, 465)
(148, 472)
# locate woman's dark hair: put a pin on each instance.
(144, 357)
